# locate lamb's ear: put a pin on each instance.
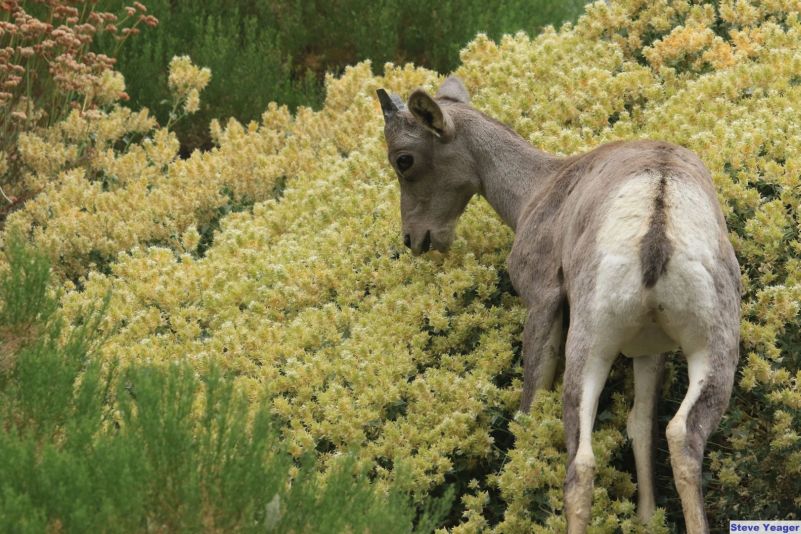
(430, 114)
(454, 89)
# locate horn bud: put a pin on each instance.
(390, 104)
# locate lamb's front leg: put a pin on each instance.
(542, 339)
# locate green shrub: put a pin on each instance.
(279, 51)
(88, 448)
(240, 46)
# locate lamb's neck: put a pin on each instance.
(511, 170)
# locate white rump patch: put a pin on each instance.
(679, 309)
(628, 215)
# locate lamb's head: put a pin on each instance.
(433, 162)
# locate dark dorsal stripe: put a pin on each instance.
(656, 248)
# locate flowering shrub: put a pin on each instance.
(185, 452)
(277, 256)
(186, 81)
(101, 188)
(46, 62)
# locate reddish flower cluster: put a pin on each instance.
(47, 66)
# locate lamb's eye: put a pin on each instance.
(404, 162)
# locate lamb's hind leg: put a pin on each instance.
(588, 360)
(642, 426)
(542, 337)
(711, 372)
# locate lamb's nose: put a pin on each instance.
(426, 242)
(407, 240)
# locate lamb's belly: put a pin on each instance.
(650, 339)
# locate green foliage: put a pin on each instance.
(333, 35)
(238, 44)
(279, 51)
(151, 447)
(24, 288)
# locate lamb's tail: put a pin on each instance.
(656, 248)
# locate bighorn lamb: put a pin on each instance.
(629, 238)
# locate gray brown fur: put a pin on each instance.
(566, 255)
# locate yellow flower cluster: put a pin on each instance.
(107, 88)
(186, 81)
(96, 201)
(306, 295)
